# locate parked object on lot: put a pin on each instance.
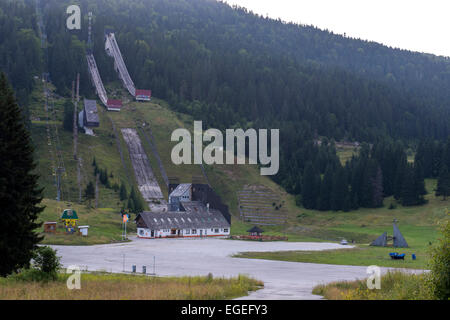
(344, 242)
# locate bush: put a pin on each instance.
(439, 277)
(45, 267)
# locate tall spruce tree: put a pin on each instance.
(340, 198)
(443, 185)
(20, 195)
(310, 189)
(123, 192)
(326, 187)
(409, 195)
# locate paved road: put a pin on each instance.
(179, 257)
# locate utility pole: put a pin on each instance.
(59, 170)
(79, 178)
(97, 178)
(75, 111)
(75, 134)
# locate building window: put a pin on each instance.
(188, 231)
(216, 230)
(141, 232)
(194, 231)
(225, 230)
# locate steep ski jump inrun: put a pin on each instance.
(112, 49)
(96, 79)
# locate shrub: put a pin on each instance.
(439, 277)
(45, 267)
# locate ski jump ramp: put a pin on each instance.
(146, 180)
(96, 79)
(112, 49)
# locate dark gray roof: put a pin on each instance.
(90, 108)
(184, 220)
(180, 189)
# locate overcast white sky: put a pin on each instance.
(408, 24)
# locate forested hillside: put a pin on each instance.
(231, 68)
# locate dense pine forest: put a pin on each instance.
(231, 68)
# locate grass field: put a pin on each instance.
(105, 225)
(394, 286)
(99, 286)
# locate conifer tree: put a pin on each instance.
(409, 196)
(326, 188)
(19, 193)
(123, 192)
(310, 188)
(443, 185)
(89, 192)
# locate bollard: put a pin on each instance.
(134, 269)
(144, 269)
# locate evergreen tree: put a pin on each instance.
(340, 198)
(310, 189)
(123, 194)
(326, 188)
(377, 189)
(130, 205)
(19, 193)
(419, 180)
(409, 195)
(89, 192)
(443, 184)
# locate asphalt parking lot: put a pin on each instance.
(181, 257)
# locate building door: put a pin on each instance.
(153, 233)
(201, 233)
(179, 233)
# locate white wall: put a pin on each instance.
(146, 233)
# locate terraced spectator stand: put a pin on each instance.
(260, 205)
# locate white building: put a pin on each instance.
(186, 224)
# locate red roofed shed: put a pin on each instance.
(143, 95)
(114, 105)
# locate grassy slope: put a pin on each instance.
(394, 286)
(417, 223)
(95, 286)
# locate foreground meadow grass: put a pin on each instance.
(394, 286)
(99, 286)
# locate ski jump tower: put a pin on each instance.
(112, 49)
(93, 69)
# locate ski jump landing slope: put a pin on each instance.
(112, 49)
(146, 180)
